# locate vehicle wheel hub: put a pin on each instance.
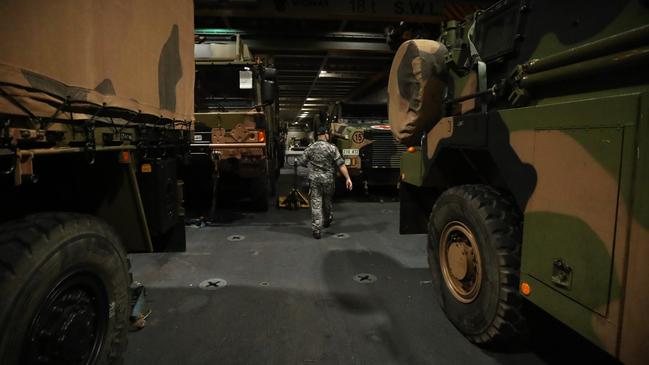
(457, 260)
(460, 261)
(69, 325)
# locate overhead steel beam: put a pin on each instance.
(296, 82)
(341, 56)
(330, 94)
(296, 68)
(296, 106)
(368, 85)
(286, 80)
(302, 45)
(251, 33)
(318, 87)
(329, 83)
(349, 80)
(343, 75)
(281, 72)
(419, 11)
(315, 80)
(288, 98)
(295, 101)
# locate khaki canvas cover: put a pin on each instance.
(416, 88)
(126, 54)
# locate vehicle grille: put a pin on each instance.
(386, 151)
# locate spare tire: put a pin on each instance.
(416, 88)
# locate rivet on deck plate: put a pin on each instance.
(365, 278)
(213, 284)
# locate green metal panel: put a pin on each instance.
(596, 109)
(552, 239)
(589, 112)
(412, 168)
(342, 143)
(549, 237)
(569, 312)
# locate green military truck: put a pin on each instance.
(96, 102)
(237, 124)
(529, 124)
(362, 133)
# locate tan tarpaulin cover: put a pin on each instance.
(415, 89)
(131, 54)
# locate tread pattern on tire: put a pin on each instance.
(504, 224)
(20, 240)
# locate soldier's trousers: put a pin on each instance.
(321, 196)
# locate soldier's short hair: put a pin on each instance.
(322, 130)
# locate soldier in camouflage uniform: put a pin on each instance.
(323, 158)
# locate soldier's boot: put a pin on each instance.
(316, 235)
(328, 221)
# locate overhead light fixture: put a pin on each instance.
(340, 75)
(218, 31)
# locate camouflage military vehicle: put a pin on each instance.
(529, 128)
(236, 116)
(362, 133)
(94, 116)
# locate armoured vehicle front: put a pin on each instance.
(362, 133)
(529, 128)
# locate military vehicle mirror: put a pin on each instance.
(270, 73)
(268, 92)
(498, 29)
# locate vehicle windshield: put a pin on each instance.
(217, 87)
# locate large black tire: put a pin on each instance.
(64, 288)
(474, 239)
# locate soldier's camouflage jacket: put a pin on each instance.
(323, 159)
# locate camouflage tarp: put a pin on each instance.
(415, 89)
(133, 55)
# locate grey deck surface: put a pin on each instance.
(291, 299)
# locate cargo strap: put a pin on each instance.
(481, 66)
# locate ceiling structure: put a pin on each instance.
(326, 50)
